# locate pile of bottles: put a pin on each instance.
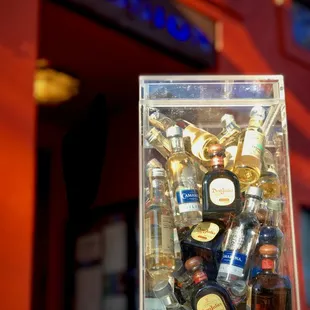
(213, 216)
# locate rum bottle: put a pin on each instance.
(248, 160)
(270, 291)
(231, 131)
(199, 138)
(239, 246)
(159, 243)
(183, 181)
(220, 187)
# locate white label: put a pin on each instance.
(188, 207)
(222, 192)
(167, 234)
(205, 231)
(147, 236)
(229, 269)
(253, 144)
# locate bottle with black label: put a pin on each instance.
(220, 188)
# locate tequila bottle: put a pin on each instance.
(159, 243)
(164, 292)
(270, 291)
(231, 131)
(239, 246)
(183, 181)
(250, 147)
(200, 139)
(220, 187)
(269, 181)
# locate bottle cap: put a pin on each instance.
(258, 112)
(255, 192)
(158, 172)
(179, 269)
(216, 150)
(227, 119)
(199, 276)
(268, 250)
(275, 204)
(174, 131)
(193, 263)
(162, 289)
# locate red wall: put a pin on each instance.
(17, 160)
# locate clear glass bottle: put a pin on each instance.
(238, 247)
(270, 291)
(269, 181)
(159, 142)
(164, 292)
(231, 131)
(183, 181)
(160, 121)
(200, 139)
(159, 225)
(220, 188)
(248, 160)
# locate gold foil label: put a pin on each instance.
(222, 192)
(210, 302)
(205, 231)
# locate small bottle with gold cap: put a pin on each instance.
(220, 187)
(206, 294)
(270, 290)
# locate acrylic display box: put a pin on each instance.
(215, 185)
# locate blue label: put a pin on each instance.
(234, 258)
(187, 196)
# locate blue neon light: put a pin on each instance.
(157, 16)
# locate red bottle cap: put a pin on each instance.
(267, 263)
(199, 276)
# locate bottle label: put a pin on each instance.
(222, 192)
(253, 144)
(267, 263)
(153, 304)
(210, 302)
(188, 200)
(167, 234)
(205, 231)
(147, 236)
(233, 263)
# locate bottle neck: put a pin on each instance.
(251, 204)
(274, 218)
(268, 265)
(255, 122)
(170, 301)
(158, 190)
(217, 162)
(177, 144)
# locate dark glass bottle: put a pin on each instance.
(270, 291)
(204, 240)
(208, 294)
(220, 187)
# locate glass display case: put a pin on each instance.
(216, 213)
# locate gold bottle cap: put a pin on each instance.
(268, 250)
(193, 263)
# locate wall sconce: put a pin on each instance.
(52, 86)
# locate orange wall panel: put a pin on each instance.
(17, 161)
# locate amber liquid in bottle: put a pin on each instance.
(248, 160)
(270, 291)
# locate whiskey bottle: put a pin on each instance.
(250, 147)
(239, 246)
(204, 240)
(269, 181)
(231, 131)
(159, 243)
(270, 291)
(209, 294)
(220, 187)
(161, 121)
(183, 181)
(199, 138)
(164, 292)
